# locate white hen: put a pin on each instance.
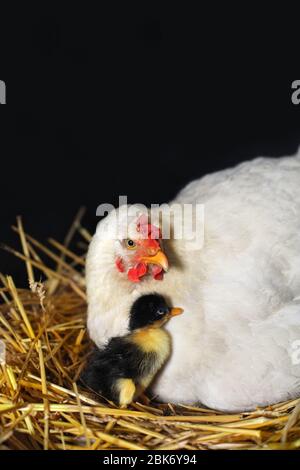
(235, 347)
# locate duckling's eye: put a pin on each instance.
(130, 244)
(161, 311)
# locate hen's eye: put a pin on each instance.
(130, 244)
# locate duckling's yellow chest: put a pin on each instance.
(153, 340)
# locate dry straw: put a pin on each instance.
(41, 407)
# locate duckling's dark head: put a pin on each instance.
(151, 310)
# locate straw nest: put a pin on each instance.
(41, 407)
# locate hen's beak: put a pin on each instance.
(159, 258)
(176, 311)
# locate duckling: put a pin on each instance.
(127, 365)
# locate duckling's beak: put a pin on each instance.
(159, 258)
(176, 311)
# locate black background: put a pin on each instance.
(134, 101)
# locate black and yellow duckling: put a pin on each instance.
(126, 366)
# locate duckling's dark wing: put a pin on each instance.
(127, 360)
(122, 353)
(119, 359)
